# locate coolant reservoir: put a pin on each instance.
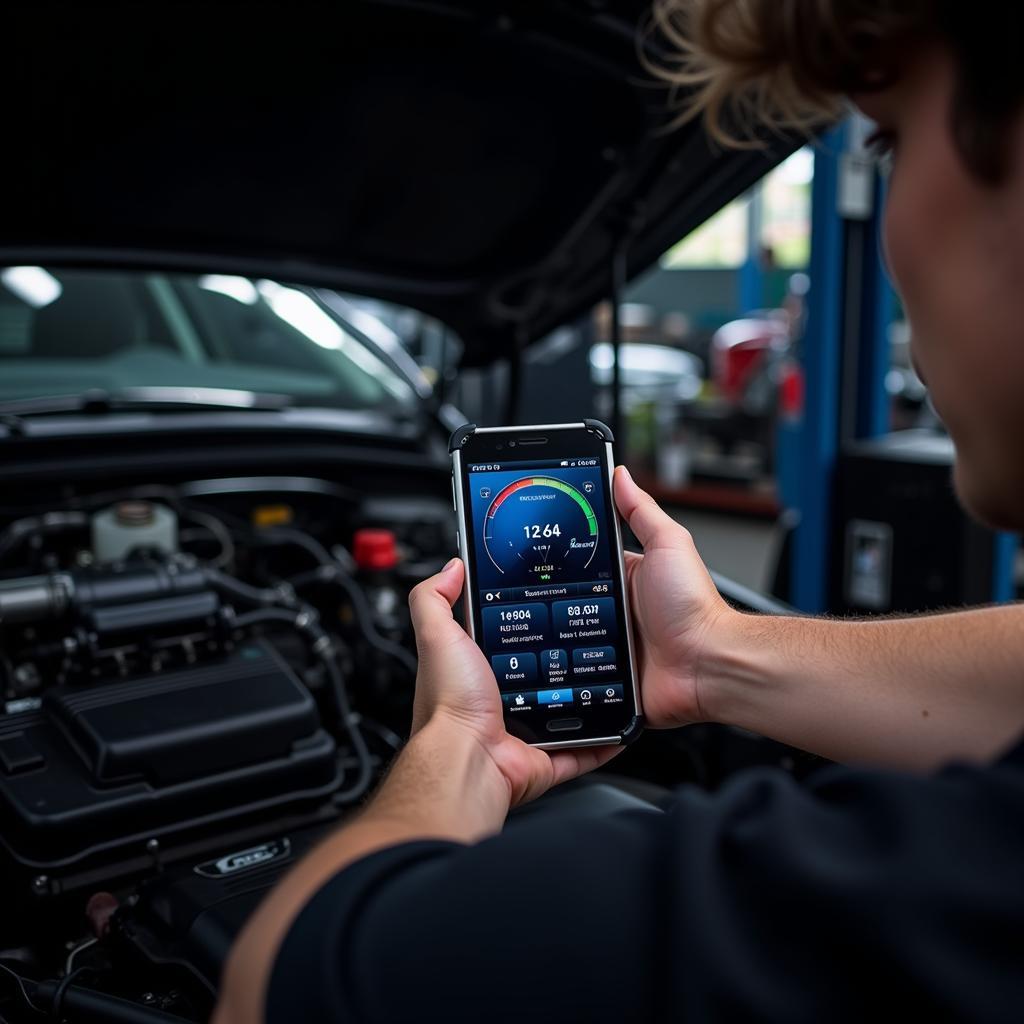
(133, 524)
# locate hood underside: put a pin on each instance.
(482, 162)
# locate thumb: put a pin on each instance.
(653, 527)
(430, 603)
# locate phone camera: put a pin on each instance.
(511, 444)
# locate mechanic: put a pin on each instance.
(893, 885)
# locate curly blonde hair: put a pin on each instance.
(788, 65)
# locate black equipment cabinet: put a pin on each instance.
(901, 541)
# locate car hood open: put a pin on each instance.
(480, 161)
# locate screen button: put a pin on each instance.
(515, 624)
(554, 663)
(584, 619)
(522, 700)
(560, 696)
(609, 694)
(594, 661)
(514, 669)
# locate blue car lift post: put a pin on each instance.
(845, 356)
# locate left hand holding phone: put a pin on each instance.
(455, 682)
(456, 779)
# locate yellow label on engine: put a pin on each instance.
(264, 516)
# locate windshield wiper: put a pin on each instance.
(99, 400)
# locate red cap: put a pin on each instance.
(374, 549)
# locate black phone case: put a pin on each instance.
(631, 733)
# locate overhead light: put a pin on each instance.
(240, 288)
(34, 285)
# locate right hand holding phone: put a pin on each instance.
(676, 609)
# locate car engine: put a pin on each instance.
(197, 681)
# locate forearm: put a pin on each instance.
(443, 786)
(908, 693)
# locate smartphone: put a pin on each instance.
(545, 594)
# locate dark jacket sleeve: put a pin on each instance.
(862, 896)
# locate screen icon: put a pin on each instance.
(565, 462)
(555, 665)
(561, 696)
(594, 661)
(588, 487)
(514, 669)
(610, 692)
(519, 700)
(584, 695)
(485, 492)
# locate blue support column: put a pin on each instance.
(819, 430)
(1005, 556)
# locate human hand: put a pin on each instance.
(676, 608)
(455, 682)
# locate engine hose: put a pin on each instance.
(304, 622)
(22, 529)
(259, 597)
(332, 573)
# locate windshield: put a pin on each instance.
(68, 331)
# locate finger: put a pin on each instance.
(430, 602)
(633, 561)
(569, 764)
(653, 527)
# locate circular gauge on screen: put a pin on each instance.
(540, 526)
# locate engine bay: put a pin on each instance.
(197, 681)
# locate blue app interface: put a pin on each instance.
(544, 548)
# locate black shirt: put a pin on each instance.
(859, 896)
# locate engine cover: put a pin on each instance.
(194, 911)
(114, 764)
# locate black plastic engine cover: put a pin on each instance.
(194, 911)
(108, 765)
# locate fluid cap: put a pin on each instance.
(128, 525)
(374, 549)
(134, 513)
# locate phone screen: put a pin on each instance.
(546, 594)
